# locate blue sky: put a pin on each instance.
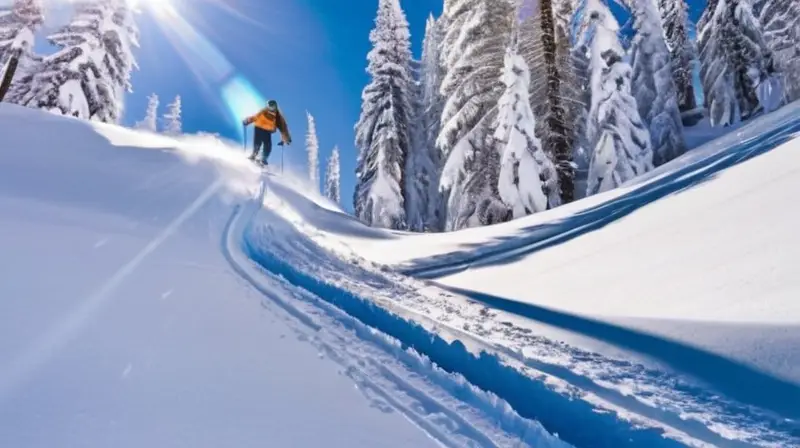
(307, 54)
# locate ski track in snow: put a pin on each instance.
(385, 372)
(586, 398)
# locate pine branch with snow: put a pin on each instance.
(528, 181)
(89, 74)
(150, 122)
(620, 139)
(432, 104)
(173, 121)
(780, 20)
(478, 32)
(419, 170)
(312, 150)
(653, 84)
(555, 96)
(675, 22)
(333, 178)
(19, 22)
(383, 130)
(733, 59)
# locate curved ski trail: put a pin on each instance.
(391, 377)
(587, 398)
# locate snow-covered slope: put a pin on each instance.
(131, 316)
(670, 302)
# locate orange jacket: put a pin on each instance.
(270, 121)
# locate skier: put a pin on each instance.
(267, 121)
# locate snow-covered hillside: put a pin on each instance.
(670, 302)
(164, 293)
(130, 316)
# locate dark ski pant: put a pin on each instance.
(263, 138)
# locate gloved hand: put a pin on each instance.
(280, 143)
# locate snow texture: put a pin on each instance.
(383, 131)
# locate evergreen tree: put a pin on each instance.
(88, 75)
(150, 122)
(527, 176)
(653, 85)
(18, 23)
(545, 45)
(420, 173)
(780, 20)
(675, 19)
(312, 148)
(617, 133)
(733, 60)
(173, 124)
(431, 75)
(478, 32)
(382, 132)
(332, 178)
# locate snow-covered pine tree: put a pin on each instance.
(780, 20)
(419, 171)
(675, 21)
(150, 122)
(733, 59)
(617, 133)
(431, 75)
(382, 132)
(18, 23)
(528, 177)
(478, 32)
(173, 121)
(88, 75)
(332, 177)
(545, 44)
(653, 85)
(312, 149)
(120, 37)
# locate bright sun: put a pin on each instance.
(160, 8)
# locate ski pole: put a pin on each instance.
(281, 159)
(244, 142)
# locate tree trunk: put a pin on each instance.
(556, 142)
(11, 69)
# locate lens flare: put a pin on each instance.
(213, 70)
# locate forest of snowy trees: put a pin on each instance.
(519, 106)
(89, 73)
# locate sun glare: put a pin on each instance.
(159, 8)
